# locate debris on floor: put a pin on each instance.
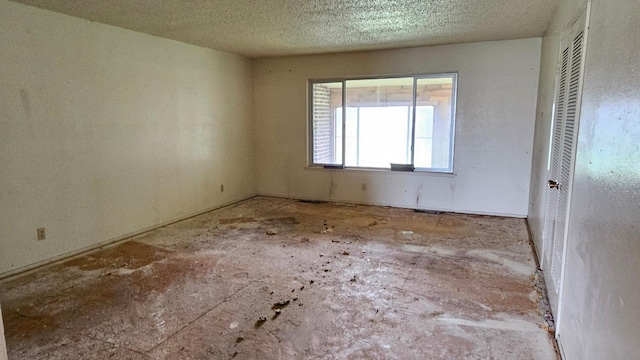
(261, 320)
(281, 304)
(207, 283)
(430, 212)
(544, 307)
(238, 220)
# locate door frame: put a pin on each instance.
(565, 40)
(3, 344)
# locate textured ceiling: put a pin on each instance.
(261, 28)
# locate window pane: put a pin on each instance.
(351, 131)
(434, 122)
(376, 125)
(424, 136)
(327, 128)
(378, 122)
(337, 129)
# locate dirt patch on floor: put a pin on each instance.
(129, 255)
(238, 220)
(290, 280)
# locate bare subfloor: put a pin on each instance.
(279, 279)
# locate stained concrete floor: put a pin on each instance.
(280, 279)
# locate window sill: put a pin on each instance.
(385, 171)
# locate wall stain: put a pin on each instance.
(26, 102)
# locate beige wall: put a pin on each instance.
(497, 87)
(105, 132)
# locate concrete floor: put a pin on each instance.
(280, 279)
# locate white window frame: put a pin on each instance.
(311, 82)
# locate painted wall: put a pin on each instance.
(600, 311)
(497, 87)
(105, 132)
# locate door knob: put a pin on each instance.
(554, 184)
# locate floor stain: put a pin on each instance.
(463, 282)
(129, 255)
(237, 220)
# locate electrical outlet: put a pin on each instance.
(222, 188)
(364, 186)
(41, 234)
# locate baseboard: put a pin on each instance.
(25, 270)
(559, 348)
(399, 206)
(532, 243)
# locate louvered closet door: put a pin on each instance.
(563, 149)
(554, 171)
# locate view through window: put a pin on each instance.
(408, 120)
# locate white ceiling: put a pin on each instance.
(262, 28)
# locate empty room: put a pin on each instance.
(280, 179)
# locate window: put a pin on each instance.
(377, 123)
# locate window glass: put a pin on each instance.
(325, 131)
(380, 126)
(434, 122)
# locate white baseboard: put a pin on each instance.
(400, 206)
(25, 270)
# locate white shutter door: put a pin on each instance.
(567, 154)
(554, 171)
